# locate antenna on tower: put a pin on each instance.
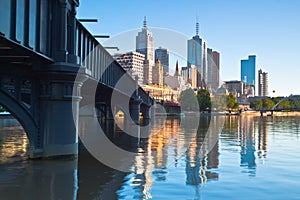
(145, 22)
(197, 25)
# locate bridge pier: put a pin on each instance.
(134, 109)
(59, 112)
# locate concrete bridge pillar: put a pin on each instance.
(59, 111)
(134, 109)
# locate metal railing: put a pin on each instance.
(101, 64)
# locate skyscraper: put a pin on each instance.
(262, 83)
(215, 70)
(162, 55)
(145, 43)
(248, 68)
(197, 55)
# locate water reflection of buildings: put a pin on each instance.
(248, 128)
(170, 148)
(247, 138)
(197, 167)
(152, 161)
(262, 138)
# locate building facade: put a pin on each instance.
(133, 63)
(263, 83)
(194, 76)
(248, 69)
(157, 74)
(235, 87)
(162, 55)
(215, 70)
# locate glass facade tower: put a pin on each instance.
(248, 69)
(197, 55)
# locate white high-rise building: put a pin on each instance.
(145, 45)
(262, 83)
(133, 63)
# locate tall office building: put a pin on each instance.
(197, 55)
(248, 69)
(133, 63)
(215, 70)
(162, 55)
(145, 43)
(262, 83)
(209, 68)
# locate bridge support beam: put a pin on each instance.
(134, 109)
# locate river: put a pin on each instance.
(251, 158)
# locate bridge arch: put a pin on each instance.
(285, 98)
(23, 116)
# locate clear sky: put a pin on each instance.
(269, 29)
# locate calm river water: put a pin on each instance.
(253, 158)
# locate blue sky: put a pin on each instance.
(270, 29)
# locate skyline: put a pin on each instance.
(266, 29)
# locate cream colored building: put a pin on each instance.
(157, 74)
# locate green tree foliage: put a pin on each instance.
(276, 99)
(256, 104)
(188, 100)
(231, 102)
(267, 103)
(204, 100)
(218, 103)
(285, 104)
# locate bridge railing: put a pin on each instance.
(101, 64)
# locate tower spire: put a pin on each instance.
(197, 25)
(177, 69)
(145, 22)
